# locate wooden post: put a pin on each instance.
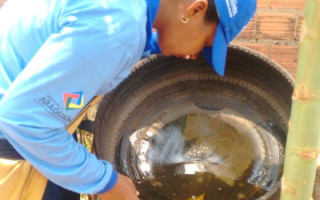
(303, 140)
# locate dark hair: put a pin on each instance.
(211, 14)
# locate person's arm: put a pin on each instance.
(70, 68)
(123, 190)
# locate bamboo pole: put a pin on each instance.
(303, 140)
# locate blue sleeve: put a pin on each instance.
(70, 68)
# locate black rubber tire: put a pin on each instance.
(253, 85)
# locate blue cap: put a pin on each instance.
(234, 15)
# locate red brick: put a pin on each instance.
(291, 68)
(276, 26)
(249, 30)
(263, 3)
(261, 48)
(287, 56)
(288, 4)
(285, 53)
(284, 49)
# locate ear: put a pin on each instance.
(197, 7)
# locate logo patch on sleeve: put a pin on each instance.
(73, 100)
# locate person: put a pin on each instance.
(55, 56)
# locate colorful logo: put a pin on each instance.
(73, 100)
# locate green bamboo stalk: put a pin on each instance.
(303, 140)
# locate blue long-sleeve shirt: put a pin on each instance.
(55, 56)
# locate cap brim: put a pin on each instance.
(216, 55)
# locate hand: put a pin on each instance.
(124, 189)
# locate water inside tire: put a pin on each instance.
(202, 154)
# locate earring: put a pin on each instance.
(184, 19)
(187, 57)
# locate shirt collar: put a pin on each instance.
(152, 9)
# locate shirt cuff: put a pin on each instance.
(111, 183)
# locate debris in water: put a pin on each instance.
(201, 197)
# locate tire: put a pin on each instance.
(179, 130)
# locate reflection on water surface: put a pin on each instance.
(202, 154)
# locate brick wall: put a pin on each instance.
(275, 31)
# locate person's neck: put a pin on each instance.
(160, 15)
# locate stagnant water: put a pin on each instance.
(186, 186)
(202, 156)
